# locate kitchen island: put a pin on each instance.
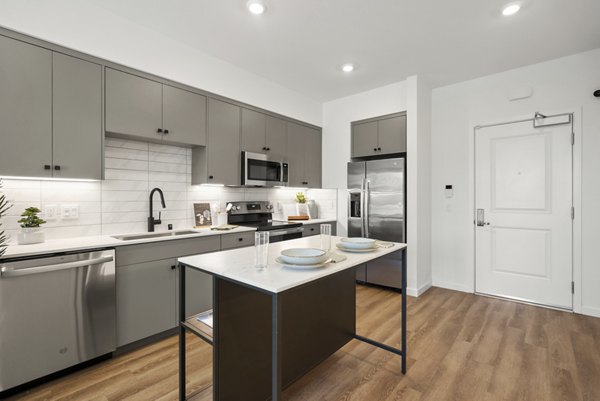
(272, 326)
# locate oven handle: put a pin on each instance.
(6, 272)
(294, 230)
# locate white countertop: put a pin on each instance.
(103, 241)
(238, 264)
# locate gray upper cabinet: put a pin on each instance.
(364, 139)
(262, 133)
(25, 109)
(144, 108)
(392, 135)
(379, 136)
(184, 116)
(223, 148)
(254, 127)
(51, 113)
(276, 136)
(77, 118)
(313, 158)
(133, 105)
(304, 156)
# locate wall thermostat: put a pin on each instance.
(448, 191)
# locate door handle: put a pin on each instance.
(481, 218)
(7, 272)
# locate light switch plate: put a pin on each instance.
(50, 212)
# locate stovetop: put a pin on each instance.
(257, 214)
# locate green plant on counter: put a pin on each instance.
(4, 206)
(300, 198)
(30, 218)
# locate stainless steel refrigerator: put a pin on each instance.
(376, 209)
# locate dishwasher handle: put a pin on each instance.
(7, 272)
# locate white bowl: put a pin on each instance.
(304, 256)
(358, 243)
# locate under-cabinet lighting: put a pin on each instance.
(49, 179)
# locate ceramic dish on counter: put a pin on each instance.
(358, 243)
(303, 256)
(282, 262)
(354, 250)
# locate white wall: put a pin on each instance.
(98, 32)
(119, 204)
(560, 85)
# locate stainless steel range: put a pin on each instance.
(259, 214)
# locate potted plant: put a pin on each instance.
(4, 206)
(301, 206)
(30, 227)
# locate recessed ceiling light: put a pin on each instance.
(348, 67)
(256, 7)
(511, 9)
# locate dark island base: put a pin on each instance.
(317, 319)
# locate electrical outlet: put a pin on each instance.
(50, 212)
(70, 212)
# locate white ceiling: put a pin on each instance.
(301, 43)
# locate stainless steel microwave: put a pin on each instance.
(262, 170)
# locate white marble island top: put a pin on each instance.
(238, 264)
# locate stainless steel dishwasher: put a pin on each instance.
(55, 312)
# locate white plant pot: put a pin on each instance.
(30, 235)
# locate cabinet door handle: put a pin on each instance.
(173, 267)
(240, 239)
(159, 130)
(374, 149)
(210, 177)
(166, 131)
(57, 167)
(379, 149)
(264, 148)
(268, 149)
(47, 167)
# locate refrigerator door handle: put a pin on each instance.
(362, 207)
(367, 195)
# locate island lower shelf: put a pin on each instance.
(196, 324)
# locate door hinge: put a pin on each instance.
(572, 287)
(572, 213)
(572, 138)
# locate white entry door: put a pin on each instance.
(523, 200)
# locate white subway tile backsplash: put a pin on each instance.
(119, 204)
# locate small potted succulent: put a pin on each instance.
(4, 206)
(30, 227)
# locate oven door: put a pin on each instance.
(259, 169)
(285, 234)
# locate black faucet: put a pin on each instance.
(151, 220)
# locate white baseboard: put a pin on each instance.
(416, 292)
(452, 286)
(586, 310)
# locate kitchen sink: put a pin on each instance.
(154, 235)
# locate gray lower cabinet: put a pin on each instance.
(25, 109)
(77, 118)
(147, 286)
(379, 136)
(304, 156)
(223, 150)
(315, 229)
(144, 108)
(51, 113)
(146, 299)
(262, 133)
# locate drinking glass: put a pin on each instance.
(326, 237)
(261, 248)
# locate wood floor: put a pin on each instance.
(460, 347)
